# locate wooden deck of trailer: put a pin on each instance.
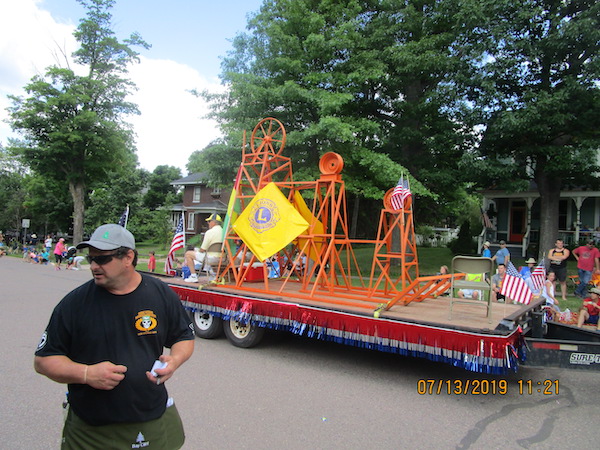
(430, 311)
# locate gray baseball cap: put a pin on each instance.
(109, 237)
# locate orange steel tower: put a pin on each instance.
(321, 264)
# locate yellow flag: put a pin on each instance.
(317, 229)
(269, 222)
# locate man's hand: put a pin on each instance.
(105, 375)
(180, 353)
(164, 374)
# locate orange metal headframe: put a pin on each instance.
(321, 259)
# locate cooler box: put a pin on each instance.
(256, 272)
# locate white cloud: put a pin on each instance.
(30, 41)
(171, 125)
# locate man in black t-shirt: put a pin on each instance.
(103, 339)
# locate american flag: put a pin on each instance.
(515, 287)
(177, 243)
(124, 217)
(400, 194)
(538, 276)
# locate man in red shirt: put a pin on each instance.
(588, 258)
(590, 309)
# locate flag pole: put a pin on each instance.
(183, 222)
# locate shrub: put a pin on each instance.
(464, 244)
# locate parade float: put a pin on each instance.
(288, 263)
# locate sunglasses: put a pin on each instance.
(100, 259)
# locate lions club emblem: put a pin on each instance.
(264, 215)
(145, 322)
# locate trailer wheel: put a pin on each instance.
(243, 335)
(206, 326)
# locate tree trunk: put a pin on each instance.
(549, 189)
(77, 191)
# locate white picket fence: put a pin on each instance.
(439, 237)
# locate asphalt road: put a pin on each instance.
(296, 393)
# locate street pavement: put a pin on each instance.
(295, 393)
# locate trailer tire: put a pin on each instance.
(206, 326)
(243, 335)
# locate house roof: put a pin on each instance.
(192, 178)
(208, 207)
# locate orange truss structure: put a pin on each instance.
(321, 265)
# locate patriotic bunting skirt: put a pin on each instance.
(491, 353)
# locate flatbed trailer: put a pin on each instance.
(419, 329)
(517, 336)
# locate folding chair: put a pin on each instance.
(472, 265)
(213, 267)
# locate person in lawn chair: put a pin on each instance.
(590, 309)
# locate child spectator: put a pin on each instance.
(152, 262)
(33, 257)
(45, 256)
(549, 293)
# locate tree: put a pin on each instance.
(159, 186)
(12, 191)
(72, 125)
(464, 243)
(342, 76)
(536, 71)
(219, 160)
(48, 204)
(109, 200)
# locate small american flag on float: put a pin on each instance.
(515, 287)
(538, 276)
(400, 194)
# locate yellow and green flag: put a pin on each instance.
(317, 229)
(269, 222)
(233, 206)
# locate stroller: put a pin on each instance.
(70, 257)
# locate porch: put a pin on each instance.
(515, 218)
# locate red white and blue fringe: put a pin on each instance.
(476, 352)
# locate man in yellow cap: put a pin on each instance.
(214, 235)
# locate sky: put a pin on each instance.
(188, 37)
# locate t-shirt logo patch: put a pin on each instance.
(146, 322)
(140, 441)
(43, 341)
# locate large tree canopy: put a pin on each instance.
(72, 125)
(510, 89)
(159, 186)
(536, 90)
(364, 79)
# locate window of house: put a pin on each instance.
(191, 222)
(197, 192)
